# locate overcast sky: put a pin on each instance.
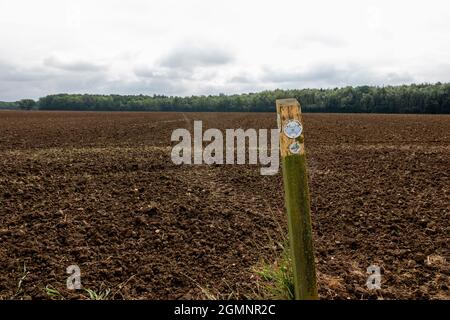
(190, 47)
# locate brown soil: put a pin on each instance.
(99, 190)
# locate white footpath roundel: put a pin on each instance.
(293, 129)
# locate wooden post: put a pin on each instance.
(295, 179)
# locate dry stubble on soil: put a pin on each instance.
(99, 190)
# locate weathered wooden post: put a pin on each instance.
(295, 179)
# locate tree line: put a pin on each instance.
(8, 105)
(415, 98)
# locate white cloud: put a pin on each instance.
(213, 46)
(74, 65)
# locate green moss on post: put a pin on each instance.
(297, 201)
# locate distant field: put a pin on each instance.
(99, 190)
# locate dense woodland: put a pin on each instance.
(8, 105)
(416, 98)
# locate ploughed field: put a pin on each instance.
(99, 190)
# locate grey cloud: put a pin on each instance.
(160, 80)
(10, 91)
(14, 73)
(231, 88)
(318, 73)
(78, 65)
(33, 82)
(242, 79)
(162, 73)
(191, 57)
(327, 75)
(146, 86)
(17, 83)
(21, 82)
(184, 66)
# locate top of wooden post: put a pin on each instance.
(290, 119)
(287, 102)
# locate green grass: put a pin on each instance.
(102, 295)
(19, 290)
(276, 278)
(53, 293)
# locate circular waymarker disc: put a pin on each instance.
(293, 129)
(295, 147)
